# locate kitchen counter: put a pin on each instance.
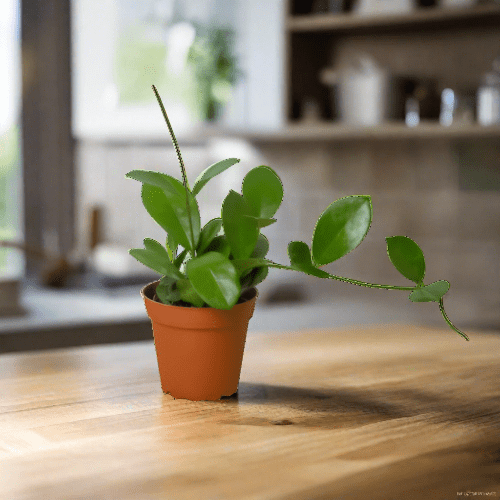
(386, 412)
(75, 317)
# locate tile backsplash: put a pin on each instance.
(417, 190)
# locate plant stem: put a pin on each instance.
(371, 285)
(450, 324)
(389, 287)
(181, 163)
(270, 263)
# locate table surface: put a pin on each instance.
(372, 413)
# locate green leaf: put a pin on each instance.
(180, 258)
(169, 251)
(258, 276)
(263, 192)
(215, 279)
(407, 257)
(341, 228)
(219, 244)
(430, 293)
(300, 259)
(299, 254)
(165, 182)
(171, 247)
(167, 291)
(245, 267)
(155, 256)
(211, 172)
(259, 252)
(208, 233)
(157, 250)
(261, 222)
(241, 232)
(165, 200)
(261, 247)
(188, 293)
(242, 266)
(254, 277)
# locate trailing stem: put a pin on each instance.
(374, 285)
(450, 324)
(371, 285)
(389, 287)
(181, 162)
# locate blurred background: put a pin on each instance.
(399, 99)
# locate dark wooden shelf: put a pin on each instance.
(431, 17)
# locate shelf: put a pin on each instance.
(342, 23)
(153, 135)
(335, 132)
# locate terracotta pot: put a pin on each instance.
(199, 350)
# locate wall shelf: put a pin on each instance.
(436, 47)
(430, 17)
(336, 132)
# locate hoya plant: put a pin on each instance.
(212, 266)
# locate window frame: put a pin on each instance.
(48, 150)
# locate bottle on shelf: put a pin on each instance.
(488, 96)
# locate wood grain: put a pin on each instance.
(391, 412)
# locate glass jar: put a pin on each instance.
(488, 97)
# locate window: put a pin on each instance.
(69, 81)
(11, 262)
(189, 49)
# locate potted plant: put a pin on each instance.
(201, 306)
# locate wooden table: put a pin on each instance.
(386, 413)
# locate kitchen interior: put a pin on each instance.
(398, 99)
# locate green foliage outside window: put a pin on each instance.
(215, 69)
(204, 85)
(9, 161)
